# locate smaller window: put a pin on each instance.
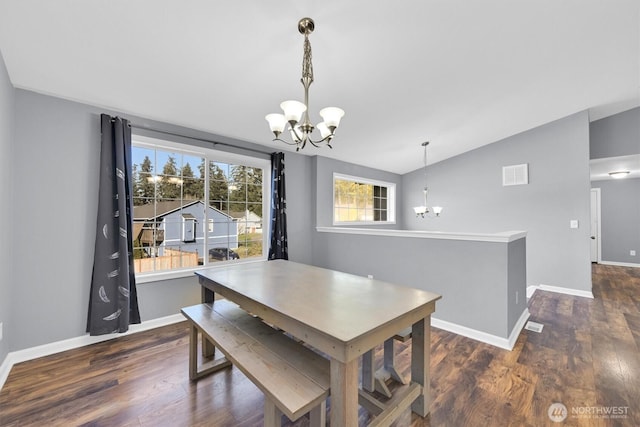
(188, 228)
(362, 201)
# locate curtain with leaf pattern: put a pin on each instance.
(113, 301)
(278, 248)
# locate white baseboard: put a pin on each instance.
(619, 264)
(567, 291)
(504, 343)
(56, 347)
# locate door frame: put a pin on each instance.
(596, 192)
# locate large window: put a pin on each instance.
(362, 201)
(196, 207)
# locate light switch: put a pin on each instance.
(573, 223)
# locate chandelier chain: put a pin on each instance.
(307, 65)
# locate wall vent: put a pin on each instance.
(515, 174)
(533, 326)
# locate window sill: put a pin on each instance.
(187, 272)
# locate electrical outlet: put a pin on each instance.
(632, 252)
(0, 331)
(370, 276)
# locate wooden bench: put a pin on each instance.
(294, 379)
(377, 380)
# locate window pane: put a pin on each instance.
(356, 201)
(175, 227)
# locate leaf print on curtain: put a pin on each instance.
(113, 301)
(278, 248)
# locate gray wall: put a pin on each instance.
(516, 280)
(54, 251)
(620, 219)
(300, 206)
(7, 96)
(480, 296)
(618, 135)
(324, 170)
(469, 187)
(55, 203)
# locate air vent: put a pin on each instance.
(533, 326)
(515, 174)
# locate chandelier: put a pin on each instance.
(296, 114)
(424, 210)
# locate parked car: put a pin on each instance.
(222, 254)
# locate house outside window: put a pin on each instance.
(359, 200)
(188, 228)
(184, 202)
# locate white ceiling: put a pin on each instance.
(459, 73)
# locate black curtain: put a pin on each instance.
(113, 302)
(278, 249)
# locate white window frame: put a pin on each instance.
(391, 199)
(220, 156)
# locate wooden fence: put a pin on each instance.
(170, 260)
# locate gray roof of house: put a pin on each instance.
(159, 209)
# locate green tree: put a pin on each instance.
(218, 187)
(247, 189)
(144, 187)
(170, 185)
(135, 179)
(191, 186)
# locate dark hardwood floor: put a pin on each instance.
(587, 358)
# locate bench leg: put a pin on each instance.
(272, 415)
(208, 350)
(207, 368)
(193, 352)
(318, 415)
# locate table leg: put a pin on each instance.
(368, 372)
(272, 415)
(420, 360)
(344, 393)
(390, 361)
(208, 350)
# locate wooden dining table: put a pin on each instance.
(341, 315)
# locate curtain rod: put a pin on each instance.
(200, 139)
